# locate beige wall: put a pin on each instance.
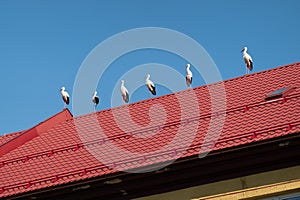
(253, 187)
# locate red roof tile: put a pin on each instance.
(74, 149)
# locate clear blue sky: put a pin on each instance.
(43, 44)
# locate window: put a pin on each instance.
(282, 92)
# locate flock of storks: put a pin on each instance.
(151, 86)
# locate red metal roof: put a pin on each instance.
(66, 149)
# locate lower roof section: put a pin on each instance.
(248, 162)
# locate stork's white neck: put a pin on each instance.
(147, 77)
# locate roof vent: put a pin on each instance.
(280, 93)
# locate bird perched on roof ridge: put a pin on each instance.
(124, 92)
(95, 99)
(247, 59)
(189, 75)
(150, 85)
(65, 96)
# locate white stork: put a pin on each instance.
(65, 96)
(124, 92)
(150, 85)
(95, 99)
(248, 60)
(189, 75)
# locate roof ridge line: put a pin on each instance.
(35, 131)
(12, 133)
(196, 88)
(260, 72)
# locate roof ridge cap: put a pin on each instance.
(12, 133)
(196, 88)
(260, 72)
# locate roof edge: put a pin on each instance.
(35, 131)
(195, 88)
(260, 72)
